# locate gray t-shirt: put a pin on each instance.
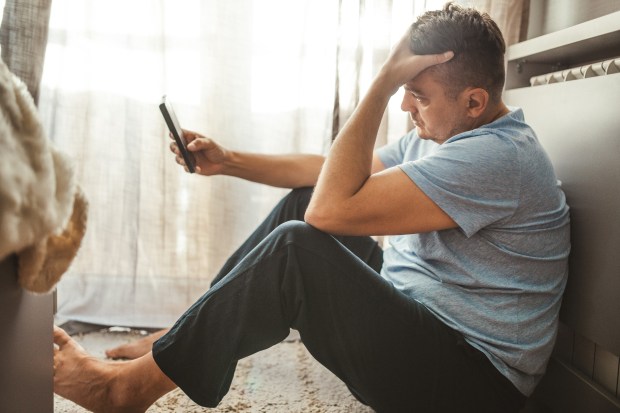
(499, 277)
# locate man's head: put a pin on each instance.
(476, 41)
(464, 92)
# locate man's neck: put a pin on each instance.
(494, 113)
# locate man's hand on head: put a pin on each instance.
(403, 65)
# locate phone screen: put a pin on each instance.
(175, 128)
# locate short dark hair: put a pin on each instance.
(476, 41)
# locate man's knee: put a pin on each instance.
(299, 231)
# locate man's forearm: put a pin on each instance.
(284, 171)
(349, 162)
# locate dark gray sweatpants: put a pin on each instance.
(390, 350)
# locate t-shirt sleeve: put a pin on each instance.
(475, 180)
(393, 153)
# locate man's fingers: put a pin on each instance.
(418, 63)
(201, 144)
(436, 59)
(445, 56)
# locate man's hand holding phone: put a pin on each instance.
(208, 155)
(193, 151)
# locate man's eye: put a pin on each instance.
(415, 96)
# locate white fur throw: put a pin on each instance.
(42, 210)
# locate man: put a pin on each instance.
(459, 314)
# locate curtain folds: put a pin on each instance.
(23, 36)
(253, 75)
(270, 76)
(508, 14)
(366, 32)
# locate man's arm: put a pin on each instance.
(285, 171)
(348, 198)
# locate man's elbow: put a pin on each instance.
(318, 218)
(311, 217)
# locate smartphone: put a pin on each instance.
(177, 133)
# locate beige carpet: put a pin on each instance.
(284, 378)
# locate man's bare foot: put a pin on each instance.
(135, 349)
(100, 386)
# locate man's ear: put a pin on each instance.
(477, 100)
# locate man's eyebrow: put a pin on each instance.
(412, 89)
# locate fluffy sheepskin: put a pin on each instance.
(38, 192)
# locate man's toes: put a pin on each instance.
(61, 337)
(112, 354)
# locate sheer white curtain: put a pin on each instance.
(256, 75)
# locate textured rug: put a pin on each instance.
(284, 378)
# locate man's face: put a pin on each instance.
(435, 115)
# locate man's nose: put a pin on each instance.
(408, 103)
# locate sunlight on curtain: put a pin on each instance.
(255, 75)
(156, 235)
